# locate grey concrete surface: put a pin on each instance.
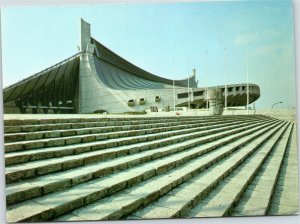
(146, 167)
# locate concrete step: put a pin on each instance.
(41, 167)
(222, 199)
(58, 151)
(256, 200)
(65, 120)
(46, 120)
(58, 203)
(96, 128)
(51, 142)
(27, 189)
(179, 201)
(285, 200)
(66, 124)
(126, 202)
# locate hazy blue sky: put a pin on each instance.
(165, 39)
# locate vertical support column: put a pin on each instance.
(85, 35)
(20, 104)
(91, 88)
(84, 68)
(215, 102)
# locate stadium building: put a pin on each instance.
(98, 80)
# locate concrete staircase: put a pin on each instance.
(149, 167)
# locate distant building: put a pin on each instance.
(98, 80)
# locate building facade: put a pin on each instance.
(98, 80)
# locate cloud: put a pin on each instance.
(283, 52)
(268, 49)
(272, 10)
(250, 38)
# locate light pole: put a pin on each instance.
(189, 104)
(174, 94)
(225, 80)
(189, 84)
(275, 104)
(206, 89)
(247, 81)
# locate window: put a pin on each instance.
(182, 95)
(142, 101)
(198, 93)
(130, 103)
(157, 98)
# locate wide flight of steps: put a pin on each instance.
(140, 168)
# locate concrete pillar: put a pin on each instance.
(84, 65)
(215, 101)
(85, 34)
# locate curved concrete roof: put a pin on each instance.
(42, 80)
(124, 75)
(109, 56)
(116, 78)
